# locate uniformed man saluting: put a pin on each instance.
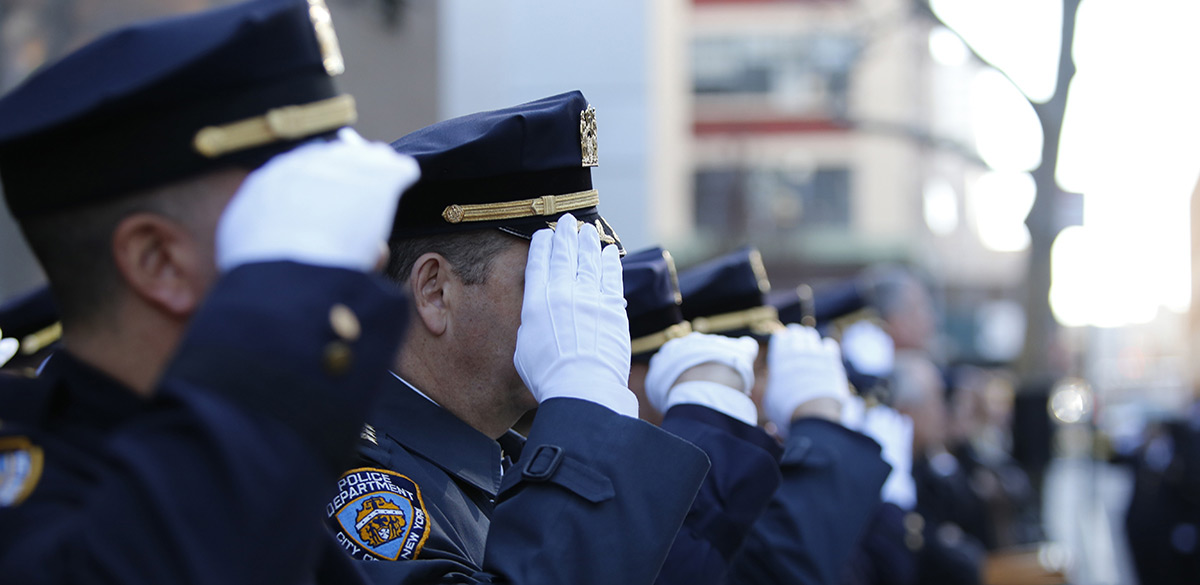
(508, 315)
(222, 340)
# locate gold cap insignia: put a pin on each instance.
(587, 137)
(331, 52)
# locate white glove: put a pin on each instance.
(678, 355)
(574, 336)
(869, 349)
(894, 433)
(324, 203)
(801, 367)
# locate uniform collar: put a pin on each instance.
(408, 417)
(82, 392)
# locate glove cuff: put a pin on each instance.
(719, 397)
(614, 397)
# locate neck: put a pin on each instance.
(467, 395)
(133, 349)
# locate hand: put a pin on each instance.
(678, 374)
(894, 433)
(869, 349)
(325, 203)
(574, 336)
(801, 368)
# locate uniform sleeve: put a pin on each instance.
(830, 491)
(743, 476)
(222, 479)
(596, 499)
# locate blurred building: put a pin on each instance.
(834, 134)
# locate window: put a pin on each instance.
(794, 75)
(739, 201)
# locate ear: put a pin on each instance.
(430, 283)
(161, 263)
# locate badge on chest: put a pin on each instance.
(378, 515)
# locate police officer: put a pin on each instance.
(831, 476)
(222, 340)
(702, 383)
(444, 492)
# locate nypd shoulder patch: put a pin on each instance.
(20, 469)
(378, 515)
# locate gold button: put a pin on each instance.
(344, 322)
(914, 522)
(338, 357)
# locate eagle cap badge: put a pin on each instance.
(587, 137)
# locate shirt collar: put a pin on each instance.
(409, 417)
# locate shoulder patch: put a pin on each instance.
(20, 469)
(378, 515)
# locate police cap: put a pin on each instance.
(727, 295)
(652, 301)
(517, 169)
(163, 100)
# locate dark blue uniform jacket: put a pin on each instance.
(830, 491)
(222, 475)
(741, 481)
(592, 497)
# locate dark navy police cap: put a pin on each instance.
(794, 305)
(517, 169)
(821, 305)
(727, 295)
(652, 301)
(163, 100)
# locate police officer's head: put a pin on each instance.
(488, 182)
(118, 159)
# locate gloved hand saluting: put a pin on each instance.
(574, 336)
(678, 356)
(802, 367)
(325, 203)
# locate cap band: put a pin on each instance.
(35, 342)
(286, 123)
(656, 340)
(761, 320)
(544, 205)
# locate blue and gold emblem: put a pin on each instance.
(20, 469)
(379, 515)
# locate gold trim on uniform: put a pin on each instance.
(286, 123)
(807, 307)
(35, 342)
(544, 205)
(604, 237)
(331, 51)
(589, 150)
(657, 340)
(760, 320)
(760, 271)
(344, 322)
